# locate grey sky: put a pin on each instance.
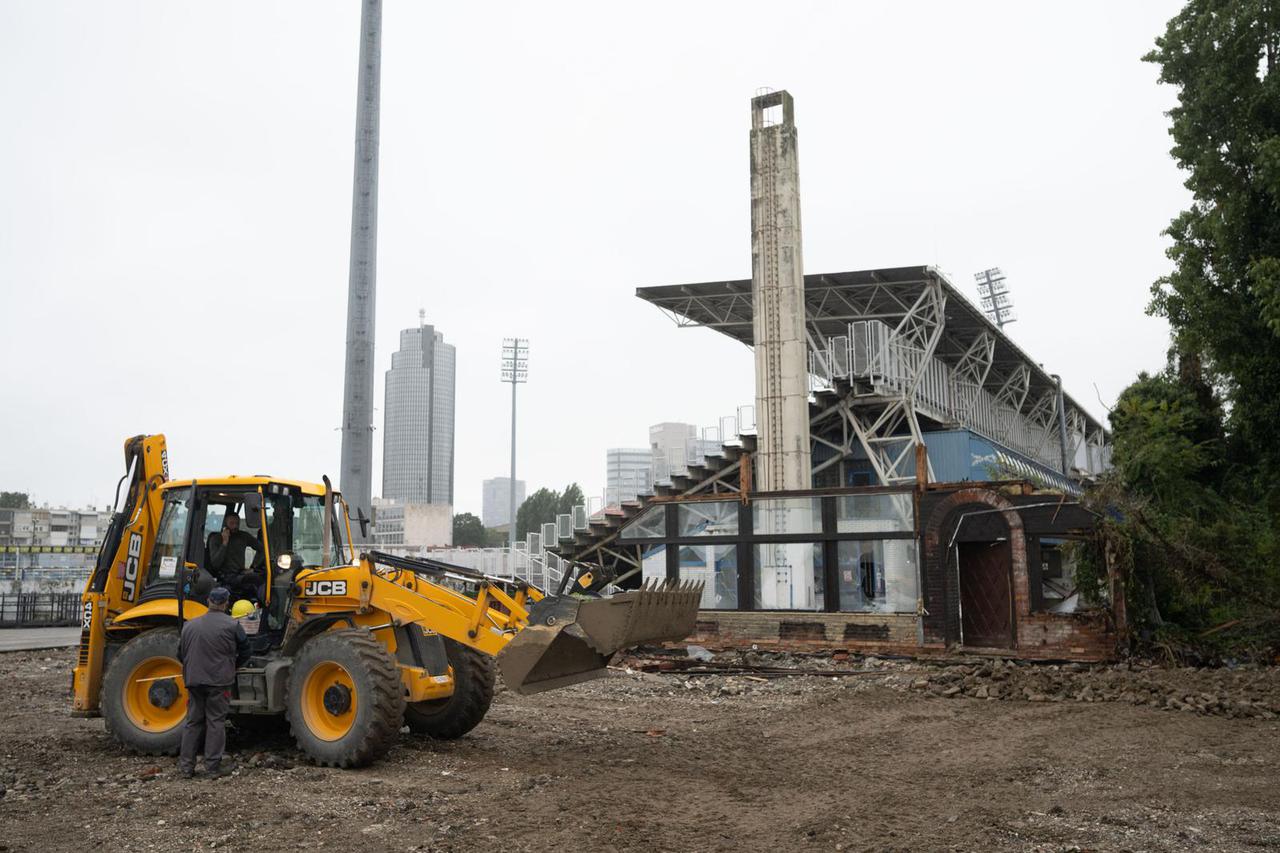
(175, 187)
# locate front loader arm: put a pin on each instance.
(541, 642)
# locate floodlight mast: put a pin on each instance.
(515, 369)
(994, 296)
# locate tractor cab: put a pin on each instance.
(270, 519)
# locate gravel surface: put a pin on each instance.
(900, 756)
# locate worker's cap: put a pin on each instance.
(219, 595)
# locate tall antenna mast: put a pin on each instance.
(356, 476)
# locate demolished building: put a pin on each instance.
(912, 484)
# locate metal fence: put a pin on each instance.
(39, 609)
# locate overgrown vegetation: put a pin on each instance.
(1194, 500)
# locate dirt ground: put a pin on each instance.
(901, 756)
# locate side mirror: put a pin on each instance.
(253, 503)
(364, 524)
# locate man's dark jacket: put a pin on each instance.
(211, 648)
(228, 560)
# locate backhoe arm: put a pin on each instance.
(126, 549)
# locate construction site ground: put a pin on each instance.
(869, 755)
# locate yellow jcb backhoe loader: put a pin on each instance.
(350, 647)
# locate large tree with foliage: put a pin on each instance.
(1197, 464)
(1223, 297)
(543, 506)
(14, 500)
(469, 531)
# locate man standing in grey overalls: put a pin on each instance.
(211, 648)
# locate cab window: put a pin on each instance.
(295, 523)
(167, 553)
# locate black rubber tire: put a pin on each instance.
(379, 698)
(453, 717)
(158, 642)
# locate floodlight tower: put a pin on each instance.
(994, 295)
(356, 477)
(515, 369)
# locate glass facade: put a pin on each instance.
(718, 518)
(717, 567)
(853, 553)
(417, 455)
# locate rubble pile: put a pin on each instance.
(1247, 691)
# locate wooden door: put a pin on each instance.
(986, 617)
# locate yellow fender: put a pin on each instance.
(164, 607)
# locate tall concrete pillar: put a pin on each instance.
(777, 293)
(356, 474)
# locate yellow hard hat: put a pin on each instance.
(243, 607)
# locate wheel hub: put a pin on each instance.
(163, 693)
(337, 699)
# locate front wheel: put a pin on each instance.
(472, 694)
(144, 700)
(344, 699)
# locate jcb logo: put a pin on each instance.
(325, 588)
(131, 566)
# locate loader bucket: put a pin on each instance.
(571, 639)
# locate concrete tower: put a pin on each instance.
(777, 293)
(356, 475)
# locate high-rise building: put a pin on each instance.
(496, 510)
(417, 449)
(629, 473)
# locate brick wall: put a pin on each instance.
(805, 631)
(1073, 636)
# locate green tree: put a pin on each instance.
(1190, 510)
(543, 506)
(15, 500)
(537, 509)
(469, 531)
(1222, 299)
(571, 497)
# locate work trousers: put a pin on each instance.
(207, 709)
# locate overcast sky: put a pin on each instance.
(175, 196)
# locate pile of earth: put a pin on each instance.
(1244, 691)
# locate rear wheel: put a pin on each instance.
(472, 694)
(344, 699)
(144, 700)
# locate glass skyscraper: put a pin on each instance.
(417, 449)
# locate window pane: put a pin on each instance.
(877, 575)
(788, 576)
(716, 566)
(1059, 560)
(653, 563)
(876, 513)
(167, 552)
(719, 518)
(650, 524)
(786, 515)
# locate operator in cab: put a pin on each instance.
(226, 550)
(211, 648)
